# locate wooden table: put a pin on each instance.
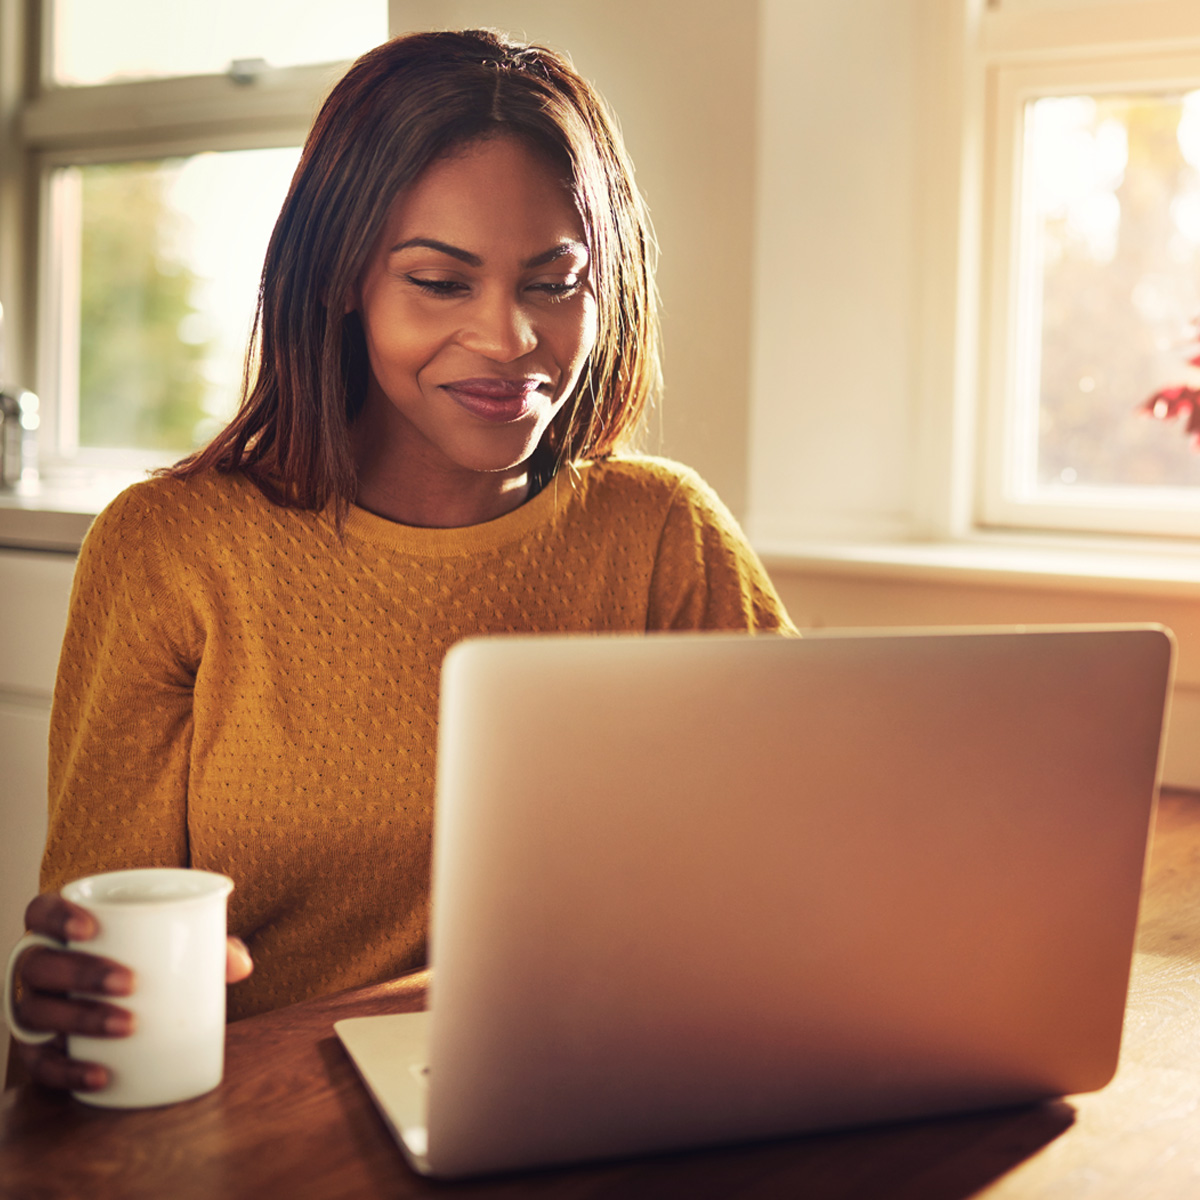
(292, 1120)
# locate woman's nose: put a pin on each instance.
(499, 328)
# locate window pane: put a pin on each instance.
(170, 256)
(1111, 271)
(100, 42)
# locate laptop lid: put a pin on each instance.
(699, 888)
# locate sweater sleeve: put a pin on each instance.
(706, 576)
(121, 722)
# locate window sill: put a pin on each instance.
(1126, 566)
(54, 513)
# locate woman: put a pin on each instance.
(456, 334)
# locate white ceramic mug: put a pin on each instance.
(167, 925)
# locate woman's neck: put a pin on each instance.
(422, 489)
(441, 504)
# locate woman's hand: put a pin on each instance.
(46, 978)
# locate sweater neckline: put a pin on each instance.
(466, 539)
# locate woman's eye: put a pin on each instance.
(438, 287)
(557, 287)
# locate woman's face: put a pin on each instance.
(479, 316)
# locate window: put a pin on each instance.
(117, 40)
(1092, 266)
(154, 152)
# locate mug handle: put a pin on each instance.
(30, 1037)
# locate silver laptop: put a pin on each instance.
(698, 888)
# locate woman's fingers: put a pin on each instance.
(45, 970)
(48, 1065)
(57, 1014)
(238, 963)
(50, 914)
(60, 991)
(49, 999)
(47, 976)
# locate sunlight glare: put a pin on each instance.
(135, 39)
(1189, 129)
(1077, 168)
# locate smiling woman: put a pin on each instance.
(479, 317)
(457, 340)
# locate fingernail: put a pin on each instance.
(94, 1078)
(117, 983)
(118, 1024)
(78, 929)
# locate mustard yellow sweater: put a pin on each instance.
(243, 690)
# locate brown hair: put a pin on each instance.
(397, 109)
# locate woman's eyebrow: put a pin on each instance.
(565, 249)
(472, 260)
(569, 249)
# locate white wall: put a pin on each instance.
(682, 78)
(835, 295)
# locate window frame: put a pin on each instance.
(1011, 293)
(51, 126)
(1028, 50)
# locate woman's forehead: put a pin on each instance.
(492, 192)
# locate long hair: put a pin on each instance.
(400, 107)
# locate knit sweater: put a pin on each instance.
(245, 689)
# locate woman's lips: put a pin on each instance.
(493, 399)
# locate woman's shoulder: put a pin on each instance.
(165, 491)
(199, 503)
(649, 484)
(643, 477)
